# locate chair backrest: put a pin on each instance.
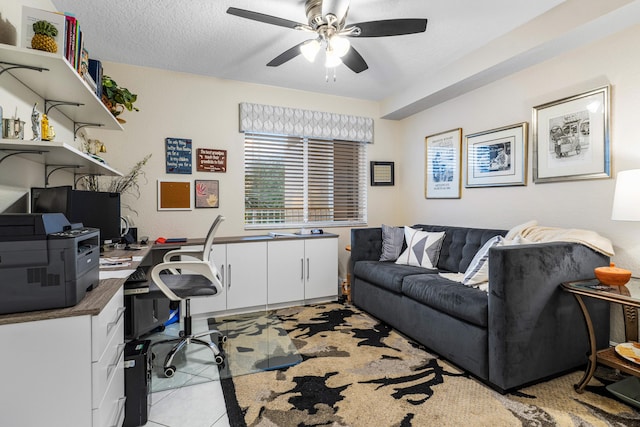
(210, 235)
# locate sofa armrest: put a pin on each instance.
(366, 244)
(536, 330)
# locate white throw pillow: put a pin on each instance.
(478, 270)
(423, 248)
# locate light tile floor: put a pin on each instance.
(196, 403)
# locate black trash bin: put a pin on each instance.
(137, 382)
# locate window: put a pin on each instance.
(295, 181)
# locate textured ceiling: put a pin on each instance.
(198, 36)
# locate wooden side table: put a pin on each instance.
(629, 297)
(346, 284)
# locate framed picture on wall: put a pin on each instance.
(443, 165)
(571, 138)
(382, 173)
(497, 157)
(174, 195)
(207, 193)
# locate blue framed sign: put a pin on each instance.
(179, 152)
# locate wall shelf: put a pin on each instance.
(55, 153)
(57, 81)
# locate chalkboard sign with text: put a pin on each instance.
(209, 160)
(179, 152)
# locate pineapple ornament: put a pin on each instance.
(43, 39)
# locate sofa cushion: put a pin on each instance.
(387, 275)
(460, 245)
(392, 241)
(423, 248)
(449, 297)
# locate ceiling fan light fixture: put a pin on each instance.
(332, 60)
(340, 45)
(310, 49)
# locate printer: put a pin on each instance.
(45, 262)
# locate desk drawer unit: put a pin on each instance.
(111, 410)
(105, 325)
(103, 371)
(107, 364)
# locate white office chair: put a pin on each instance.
(182, 280)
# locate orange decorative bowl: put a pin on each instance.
(612, 275)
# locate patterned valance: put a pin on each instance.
(274, 120)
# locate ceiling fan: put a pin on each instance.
(327, 19)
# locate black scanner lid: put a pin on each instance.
(31, 226)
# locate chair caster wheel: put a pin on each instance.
(219, 359)
(222, 339)
(169, 371)
(181, 334)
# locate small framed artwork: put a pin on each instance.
(497, 157)
(207, 193)
(174, 195)
(571, 138)
(382, 173)
(442, 165)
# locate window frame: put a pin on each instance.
(357, 216)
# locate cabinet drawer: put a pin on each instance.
(103, 370)
(104, 325)
(110, 413)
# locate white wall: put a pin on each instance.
(205, 110)
(576, 204)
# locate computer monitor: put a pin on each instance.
(96, 209)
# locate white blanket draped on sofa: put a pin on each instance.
(531, 232)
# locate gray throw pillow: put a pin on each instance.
(392, 240)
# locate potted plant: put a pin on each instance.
(117, 98)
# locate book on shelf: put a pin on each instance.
(70, 34)
(32, 15)
(89, 81)
(95, 70)
(84, 62)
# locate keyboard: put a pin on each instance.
(138, 276)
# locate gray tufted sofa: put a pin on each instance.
(523, 330)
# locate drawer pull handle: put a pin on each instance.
(229, 276)
(112, 366)
(301, 268)
(119, 315)
(120, 413)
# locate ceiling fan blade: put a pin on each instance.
(285, 56)
(390, 27)
(354, 61)
(261, 17)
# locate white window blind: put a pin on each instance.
(299, 182)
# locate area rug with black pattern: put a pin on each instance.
(357, 371)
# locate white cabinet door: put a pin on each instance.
(321, 268)
(246, 274)
(286, 271)
(218, 302)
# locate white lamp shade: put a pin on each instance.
(340, 45)
(626, 199)
(310, 49)
(332, 59)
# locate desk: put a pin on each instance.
(629, 297)
(65, 367)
